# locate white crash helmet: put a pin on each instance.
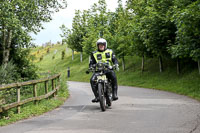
(102, 41)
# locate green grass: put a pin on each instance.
(187, 83)
(47, 65)
(30, 109)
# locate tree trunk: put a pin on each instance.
(89, 58)
(178, 66)
(160, 64)
(6, 46)
(72, 54)
(81, 56)
(123, 63)
(199, 65)
(142, 68)
(3, 42)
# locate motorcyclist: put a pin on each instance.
(104, 55)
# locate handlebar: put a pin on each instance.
(105, 65)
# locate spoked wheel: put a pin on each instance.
(102, 99)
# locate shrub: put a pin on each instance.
(48, 49)
(41, 58)
(25, 67)
(53, 57)
(63, 54)
(8, 73)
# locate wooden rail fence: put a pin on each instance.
(18, 86)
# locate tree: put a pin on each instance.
(79, 30)
(24, 17)
(121, 37)
(137, 11)
(156, 28)
(97, 26)
(67, 37)
(75, 36)
(187, 18)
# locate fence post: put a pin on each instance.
(68, 72)
(46, 87)
(18, 99)
(35, 92)
(18, 86)
(53, 87)
(55, 82)
(58, 80)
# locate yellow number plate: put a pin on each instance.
(101, 77)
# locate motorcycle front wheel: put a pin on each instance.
(102, 99)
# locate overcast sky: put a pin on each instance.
(52, 31)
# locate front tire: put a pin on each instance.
(102, 99)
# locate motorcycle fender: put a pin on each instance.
(100, 80)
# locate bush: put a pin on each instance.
(53, 57)
(63, 54)
(48, 49)
(41, 58)
(8, 73)
(22, 59)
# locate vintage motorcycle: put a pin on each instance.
(104, 86)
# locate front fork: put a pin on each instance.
(107, 88)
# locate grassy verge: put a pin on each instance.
(30, 110)
(46, 65)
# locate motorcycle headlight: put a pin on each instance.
(100, 67)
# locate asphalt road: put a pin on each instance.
(138, 110)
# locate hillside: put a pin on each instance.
(186, 83)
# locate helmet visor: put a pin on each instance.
(103, 43)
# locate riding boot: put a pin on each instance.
(96, 99)
(94, 88)
(111, 75)
(114, 92)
